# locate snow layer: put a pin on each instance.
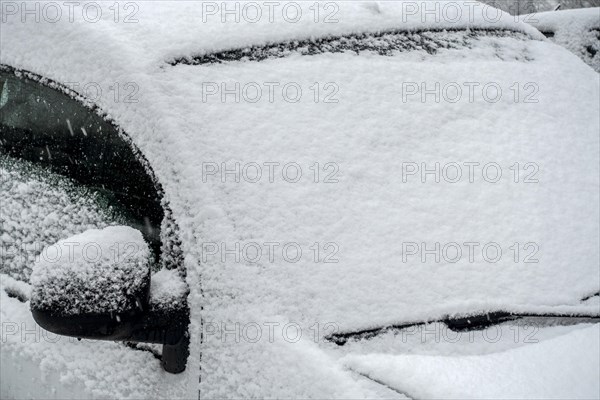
(39, 364)
(95, 272)
(164, 30)
(576, 30)
(370, 212)
(15, 288)
(566, 367)
(565, 19)
(167, 289)
(38, 208)
(368, 134)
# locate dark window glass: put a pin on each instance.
(67, 147)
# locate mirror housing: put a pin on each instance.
(96, 285)
(97, 273)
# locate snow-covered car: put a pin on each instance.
(576, 30)
(325, 200)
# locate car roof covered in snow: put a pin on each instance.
(576, 30)
(568, 20)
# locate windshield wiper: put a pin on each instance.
(472, 322)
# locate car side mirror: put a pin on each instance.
(97, 285)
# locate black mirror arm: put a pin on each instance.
(160, 326)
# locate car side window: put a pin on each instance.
(51, 129)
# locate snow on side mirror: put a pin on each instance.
(87, 148)
(97, 285)
(92, 285)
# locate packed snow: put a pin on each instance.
(16, 288)
(565, 367)
(520, 7)
(361, 218)
(95, 272)
(576, 30)
(167, 290)
(40, 364)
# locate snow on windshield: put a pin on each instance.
(365, 130)
(346, 201)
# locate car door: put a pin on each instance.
(66, 170)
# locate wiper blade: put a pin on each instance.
(473, 322)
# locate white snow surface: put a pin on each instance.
(368, 214)
(37, 209)
(39, 364)
(162, 30)
(167, 289)
(16, 287)
(565, 19)
(95, 272)
(565, 367)
(576, 30)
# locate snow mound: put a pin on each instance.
(168, 290)
(567, 19)
(576, 30)
(15, 288)
(566, 367)
(95, 272)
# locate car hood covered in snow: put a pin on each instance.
(347, 242)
